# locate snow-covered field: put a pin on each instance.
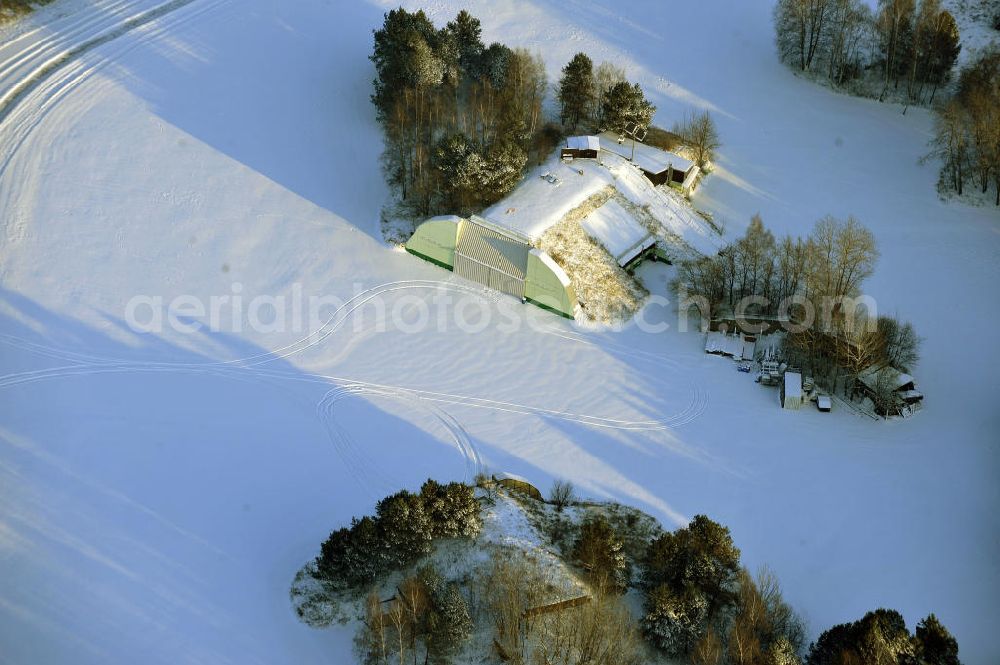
(158, 491)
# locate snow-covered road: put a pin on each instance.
(158, 491)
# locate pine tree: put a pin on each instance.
(576, 90)
(674, 622)
(452, 509)
(405, 528)
(467, 32)
(701, 556)
(934, 644)
(625, 103)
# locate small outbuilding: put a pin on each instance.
(518, 484)
(791, 390)
(824, 403)
(892, 392)
(581, 147)
(659, 166)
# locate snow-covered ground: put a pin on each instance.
(158, 491)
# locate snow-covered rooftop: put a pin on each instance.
(547, 194)
(870, 377)
(615, 228)
(647, 157)
(793, 385)
(583, 143)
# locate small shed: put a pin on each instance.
(518, 484)
(659, 166)
(791, 391)
(824, 403)
(581, 147)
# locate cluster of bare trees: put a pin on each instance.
(762, 628)
(460, 118)
(426, 621)
(813, 287)
(967, 129)
(760, 276)
(514, 594)
(909, 43)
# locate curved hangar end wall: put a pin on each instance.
(545, 283)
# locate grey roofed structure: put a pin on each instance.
(660, 166)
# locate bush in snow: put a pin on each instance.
(600, 552)
(781, 652)
(452, 509)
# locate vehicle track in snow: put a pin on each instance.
(362, 466)
(45, 72)
(85, 363)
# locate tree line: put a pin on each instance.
(462, 119)
(907, 46)
(601, 98)
(699, 604)
(459, 117)
(967, 129)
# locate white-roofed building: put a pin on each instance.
(791, 391)
(581, 147)
(618, 232)
(658, 165)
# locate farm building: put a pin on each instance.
(791, 391)
(905, 398)
(660, 166)
(618, 232)
(566, 234)
(581, 147)
(500, 258)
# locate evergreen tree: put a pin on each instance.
(354, 557)
(467, 33)
(576, 90)
(452, 509)
(625, 103)
(401, 33)
(674, 622)
(934, 644)
(447, 622)
(493, 64)
(405, 528)
(880, 637)
(701, 556)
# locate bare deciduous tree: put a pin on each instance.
(561, 494)
(698, 131)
